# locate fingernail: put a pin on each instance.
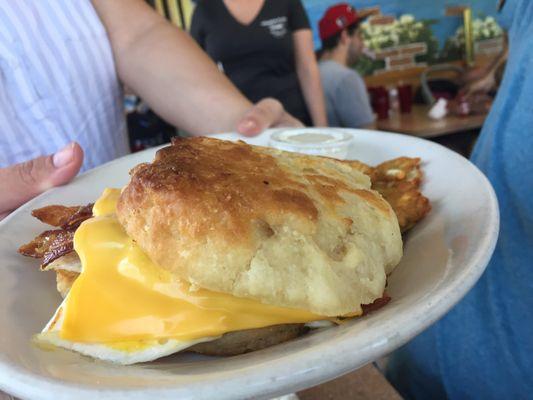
(248, 124)
(63, 156)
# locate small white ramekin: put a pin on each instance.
(314, 141)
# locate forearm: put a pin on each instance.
(180, 83)
(165, 67)
(501, 57)
(309, 79)
(309, 76)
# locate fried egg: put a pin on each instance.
(125, 309)
(120, 352)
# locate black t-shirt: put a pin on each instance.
(258, 58)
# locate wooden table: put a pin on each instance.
(366, 383)
(417, 123)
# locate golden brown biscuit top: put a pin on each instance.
(262, 223)
(235, 183)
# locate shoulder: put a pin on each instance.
(284, 6)
(352, 77)
(336, 71)
(207, 14)
(198, 10)
(206, 7)
(351, 73)
(341, 80)
(295, 6)
(202, 4)
(293, 3)
(297, 15)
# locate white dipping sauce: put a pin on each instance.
(311, 138)
(314, 141)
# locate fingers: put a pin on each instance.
(29, 179)
(265, 114)
(483, 85)
(288, 120)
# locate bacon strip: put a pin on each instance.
(38, 247)
(376, 304)
(49, 246)
(54, 215)
(52, 244)
(62, 244)
(83, 213)
(62, 216)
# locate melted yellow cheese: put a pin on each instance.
(106, 203)
(121, 295)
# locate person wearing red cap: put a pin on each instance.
(347, 101)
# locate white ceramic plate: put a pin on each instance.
(444, 256)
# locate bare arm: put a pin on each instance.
(485, 80)
(164, 66)
(309, 76)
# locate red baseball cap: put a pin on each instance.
(337, 18)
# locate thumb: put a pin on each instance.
(29, 179)
(266, 113)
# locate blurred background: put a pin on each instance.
(416, 44)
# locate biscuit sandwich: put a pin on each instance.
(217, 247)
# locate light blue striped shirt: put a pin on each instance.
(58, 82)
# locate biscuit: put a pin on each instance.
(282, 228)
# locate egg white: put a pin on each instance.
(123, 353)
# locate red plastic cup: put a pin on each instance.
(380, 101)
(405, 97)
(382, 107)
